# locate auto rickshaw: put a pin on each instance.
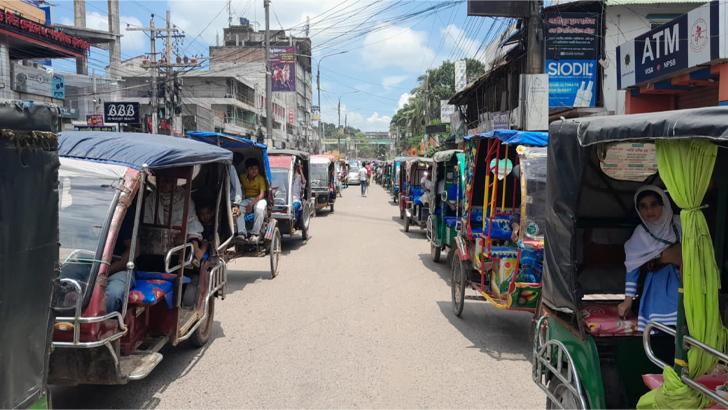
(128, 204)
(387, 175)
(292, 215)
(397, 177)
(412, 200)
(444, 222)
(322, 182)
(29, 228)
(505, 269)
(269, 242)
(585, 354)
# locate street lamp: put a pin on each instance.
(318, 89)
(338, 134)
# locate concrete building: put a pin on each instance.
(242, 54)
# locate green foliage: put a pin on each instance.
(437, 84)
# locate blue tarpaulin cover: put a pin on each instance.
(517, 137)
(230, 142)
(135, 149)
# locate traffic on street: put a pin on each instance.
(472, 204)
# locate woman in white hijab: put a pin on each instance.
(653, 254)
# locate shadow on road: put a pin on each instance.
(292, 243)
(178, 362)
(237, 280)
(501, 334)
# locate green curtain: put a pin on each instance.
(685, 167)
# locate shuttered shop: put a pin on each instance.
(697, 98)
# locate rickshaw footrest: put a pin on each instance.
(139, 364)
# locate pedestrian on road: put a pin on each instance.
(363, 179)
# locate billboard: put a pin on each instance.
(571, 53)
(39, 82)
(315, 113)
(684, 43)
(461, 75)
(283, 69)
(493, 8)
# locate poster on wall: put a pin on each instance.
(461, 75)
(315, 113)
(283, 68)
(571, 58)
(446, 111)
(39, 82)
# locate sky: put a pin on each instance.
(387, 43)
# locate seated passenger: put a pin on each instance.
(653, 256)
(206, 215)
(426, 184)
(299, 182)
(165, 185)
(253, 185)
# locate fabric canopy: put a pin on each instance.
(442, 156)
(293, 152)
(231, 142)
(516, 137)
(135, 149)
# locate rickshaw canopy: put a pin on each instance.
(516, 137)
(230, 142)
(569, 196)
(136, 149)
(303, 154)
(444, 156)
(321, 159)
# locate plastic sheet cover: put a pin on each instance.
(135, 149)
(28, 262)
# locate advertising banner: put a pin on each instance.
(685, 42)
(315, 113)
(446, 111)
(571, 53)
(461, 75)
(500, 120)
(124, 112)
(39, 82)
(534, 102)
(95, 120)
(283, 68)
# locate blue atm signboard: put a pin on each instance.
(571, 50)
(678, 45)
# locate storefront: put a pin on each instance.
(680, 64)
(25, 39)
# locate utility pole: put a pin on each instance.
(166, 34)
(79, 20)
(427, 111)
(268, 79)
(115, 45)
(338, 129)
(534, 58)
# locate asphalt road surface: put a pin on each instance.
(359, 317)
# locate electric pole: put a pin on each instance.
(166, 35)
(427, 112)
(534, 58)
(268, 79)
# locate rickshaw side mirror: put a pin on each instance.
(443, 196)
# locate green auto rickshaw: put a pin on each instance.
(599, 341)
(446, 212)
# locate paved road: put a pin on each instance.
(358, 317)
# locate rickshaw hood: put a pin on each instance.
(135, 149)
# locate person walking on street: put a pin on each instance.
(363, 180)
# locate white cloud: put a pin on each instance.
(403, 100)
(393, 80)
(455, 37)
(394, 46)
(381, 120)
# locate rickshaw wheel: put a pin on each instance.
(304, 228)
(203, 333)
(566, 399)
(435, 252)
(406, 224)
(275, 253)
(401, 213)
(331, 207)
(457, 285)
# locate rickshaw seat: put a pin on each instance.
(501, 229)
(655, 381)
(502, 252)
(452, 193)
(451, 220)
(151, 287)
(602, 319)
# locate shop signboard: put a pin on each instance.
(95, 120)
(500, 120)
(315, 113)
(461, 75)
(23, 28)
(283, 68)
(683, 43)
(121, 112)
(446, 111)
(571, 53)
(69, 112)
(39, 82)
(94, 128)
(290, 117)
